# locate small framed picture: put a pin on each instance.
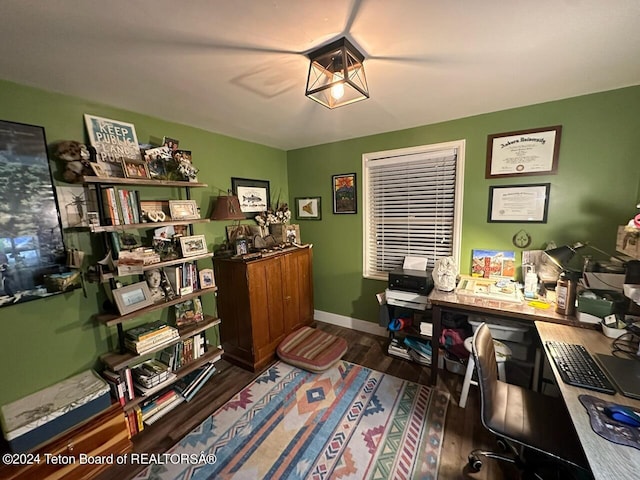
(308, 208)
(207, 280)
(134, 168)
(98, 170)
(344, 193)
(183, 210)
(193, 245)
(254, 195)
(242, 246)
(132, 297)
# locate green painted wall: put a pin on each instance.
(46, 340)
(595, 190)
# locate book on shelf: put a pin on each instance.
(117, 385)
(398, 349)
(148, 330)
(190, 384)
(166, 408)
(128, 379)
(156, 403)
(151, 344)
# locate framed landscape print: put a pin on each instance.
(344, 193)
(308, 208)
(253, 195)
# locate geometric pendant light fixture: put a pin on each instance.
(336, 75)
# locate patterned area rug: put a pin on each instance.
(348, 422)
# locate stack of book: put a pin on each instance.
(190, 384)
(398, 349)
(149, 337)
(160, 405)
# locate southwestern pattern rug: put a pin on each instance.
(349, 422)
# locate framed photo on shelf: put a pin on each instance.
(524, 152)
(344, 193)
(135, 168)
(308, 208)
(193, 245)
(98, 170)
(132, 297)
(253, 195)
(207, 280)
(183, 210)
(519, 203)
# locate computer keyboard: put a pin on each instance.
(578, 368)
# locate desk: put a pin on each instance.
(468, 304)
(606, 459)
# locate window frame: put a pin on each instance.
(459, 147)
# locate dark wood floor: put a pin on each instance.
(463, 430)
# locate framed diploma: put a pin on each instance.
(526, 152)
(519, 203)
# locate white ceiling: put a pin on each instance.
(238, 67)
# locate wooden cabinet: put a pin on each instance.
(261, 301)
(79, 451)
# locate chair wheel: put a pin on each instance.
(475, 464)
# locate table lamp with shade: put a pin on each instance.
(227, 208)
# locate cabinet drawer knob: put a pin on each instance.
(70, 446)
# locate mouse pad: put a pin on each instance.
(606, 427)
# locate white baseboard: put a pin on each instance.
(348, 322)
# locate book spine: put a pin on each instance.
(129, 383)
(113, 206)
(137, 207)
(124, 206)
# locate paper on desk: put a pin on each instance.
(415, 263)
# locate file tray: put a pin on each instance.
(607, 302)
(43, 415)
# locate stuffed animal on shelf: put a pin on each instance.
(75, 158)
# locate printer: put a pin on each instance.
(409, 288)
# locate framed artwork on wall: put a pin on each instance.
(308, 208)
(31, 245)
(253, 195)
(344, 193)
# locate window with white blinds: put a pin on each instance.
(412, 205)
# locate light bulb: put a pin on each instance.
(337, 91)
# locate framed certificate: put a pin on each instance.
(519, 203)
(525, 152)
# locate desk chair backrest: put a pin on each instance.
(487, 370)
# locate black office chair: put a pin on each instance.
(527, 422)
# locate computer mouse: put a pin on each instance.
(623, 414)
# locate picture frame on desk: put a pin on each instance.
(132, 297)
(193, 245)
